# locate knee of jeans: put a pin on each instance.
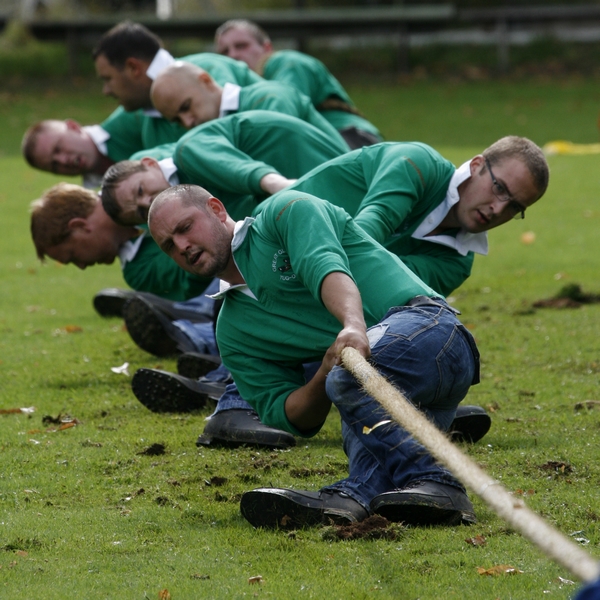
(341, 387)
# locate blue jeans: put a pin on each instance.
(426, 353)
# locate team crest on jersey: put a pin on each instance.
(281, 265)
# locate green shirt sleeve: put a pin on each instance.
(305, 73)
(209, 156)
(125, 130)
(315, 249)
(398, 179)
(285, 99)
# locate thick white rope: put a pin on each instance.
(511, 509)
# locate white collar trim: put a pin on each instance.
(169, 171)
(239, 234)
(464, 241)
(162, 59)
(99, 136)
(230, 99)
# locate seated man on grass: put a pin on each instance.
(245, 40)
(69, 225)
(301, 282)
(187, 94)
(243, 158)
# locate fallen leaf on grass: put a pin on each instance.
(153, 450)
(164, 595)
(477, 540)
(21, 553)
(73, 329)
(499, 570)
(34, 431)
(589, 404)
(255, 579)
(520, 492)
(122, 370)
(527, 237)
(67, 425)
(10, 411)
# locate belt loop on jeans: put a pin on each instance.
(435, 301)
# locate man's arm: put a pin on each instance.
(307, 407)
(208, 157)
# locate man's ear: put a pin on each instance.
(206, 79)
(149, 162)
(136, 67)
(214, 205)
(477, 163)
(72, 125)
(78, 223)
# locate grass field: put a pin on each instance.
(83, 514)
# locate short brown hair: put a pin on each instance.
(257, 32)
(523, 149)
(30, 138)
(51, 214)
(115, 175)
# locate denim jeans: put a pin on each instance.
(426, 353)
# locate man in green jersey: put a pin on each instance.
(186, 94)
(420, 207)
(246, 41)
(242, 158)
(299, 286)
(69, 225)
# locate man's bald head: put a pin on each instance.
(194, 229)
(183, 195)
(187, 94)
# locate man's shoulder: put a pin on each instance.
(293, 56)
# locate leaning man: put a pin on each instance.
(301, 282)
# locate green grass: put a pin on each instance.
(83, 514)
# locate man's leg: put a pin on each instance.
(428, 355)
(425, 352)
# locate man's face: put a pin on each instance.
(137, 192)
(65, 149)
(188, 101)
(130, 86)
(86, 246)
(479, 209)
(197, 240)
(242, 45)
